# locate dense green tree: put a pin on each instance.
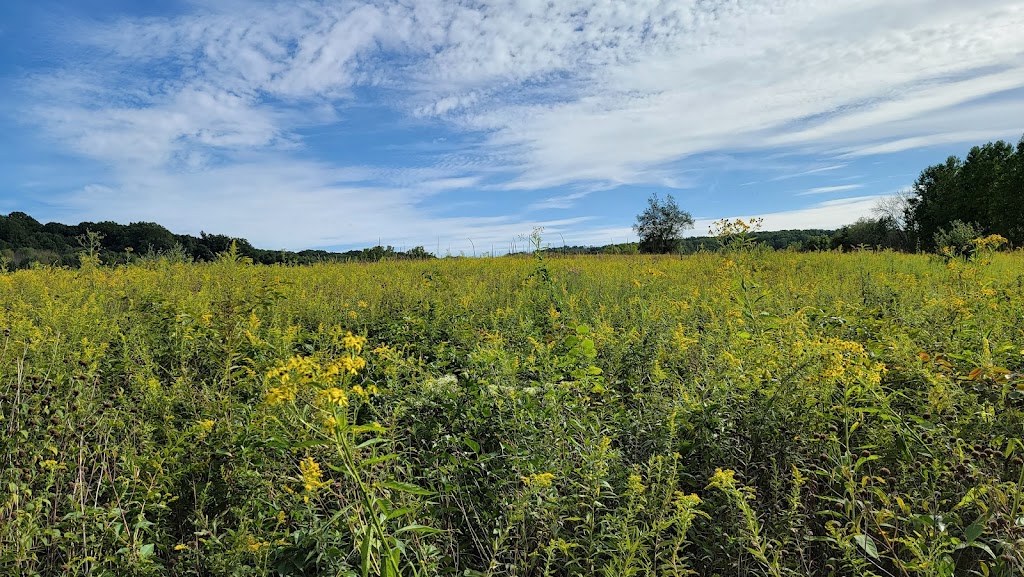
(986, 187)
(880, 232)
(661, 226)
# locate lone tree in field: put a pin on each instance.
(661, 226)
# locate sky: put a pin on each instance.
(462, 125)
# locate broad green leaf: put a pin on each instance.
(420, 529)
(867, 544)
(397, 513)
(974, 531)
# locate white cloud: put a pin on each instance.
(809, 172)
(828, 189)
(830, 214)
(295, 205)
(204, 113)
(822, 75)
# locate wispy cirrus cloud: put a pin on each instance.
(829, 189)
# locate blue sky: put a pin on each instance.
(303, 124)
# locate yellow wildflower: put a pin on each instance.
(539, 480)
(723, 478)
(180, 547)
(354, 342)
(335, 396)
(682, 501)
(352, 365)
(280, 395)
(312, 477)
(634, 485)
(255, 545)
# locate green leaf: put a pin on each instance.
(863, 460)
(397, 513)
(984, 548)
(146, 550)
(364, 553)
(923, 423)
(406, 487)
(867, 544)
(472, 444)
(974, 531)
(370, 442)
(420, 529)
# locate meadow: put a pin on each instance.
(745, 412)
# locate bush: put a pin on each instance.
(957, 240)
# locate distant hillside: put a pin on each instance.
(24, 240)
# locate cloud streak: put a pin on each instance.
(829, 189)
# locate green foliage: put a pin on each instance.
(985, 187)
(957, 240)
(661, 226)
(873, 233)
(740, 412)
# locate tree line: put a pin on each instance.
(948, 206)
(24, 241)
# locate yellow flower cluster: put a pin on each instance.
(354, 342)
(990, 243)
(282, 394)
(300, 371)
(847, 359)
(312, 476)
(539, 480)
(335, 396)
(254, 545)
(723, 478)
(352, 364)
(683, 501)
(635, 485)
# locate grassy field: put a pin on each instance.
(742, 413)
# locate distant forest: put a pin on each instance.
(948, 205)
(24, 240)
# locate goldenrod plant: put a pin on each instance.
(732, 412)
